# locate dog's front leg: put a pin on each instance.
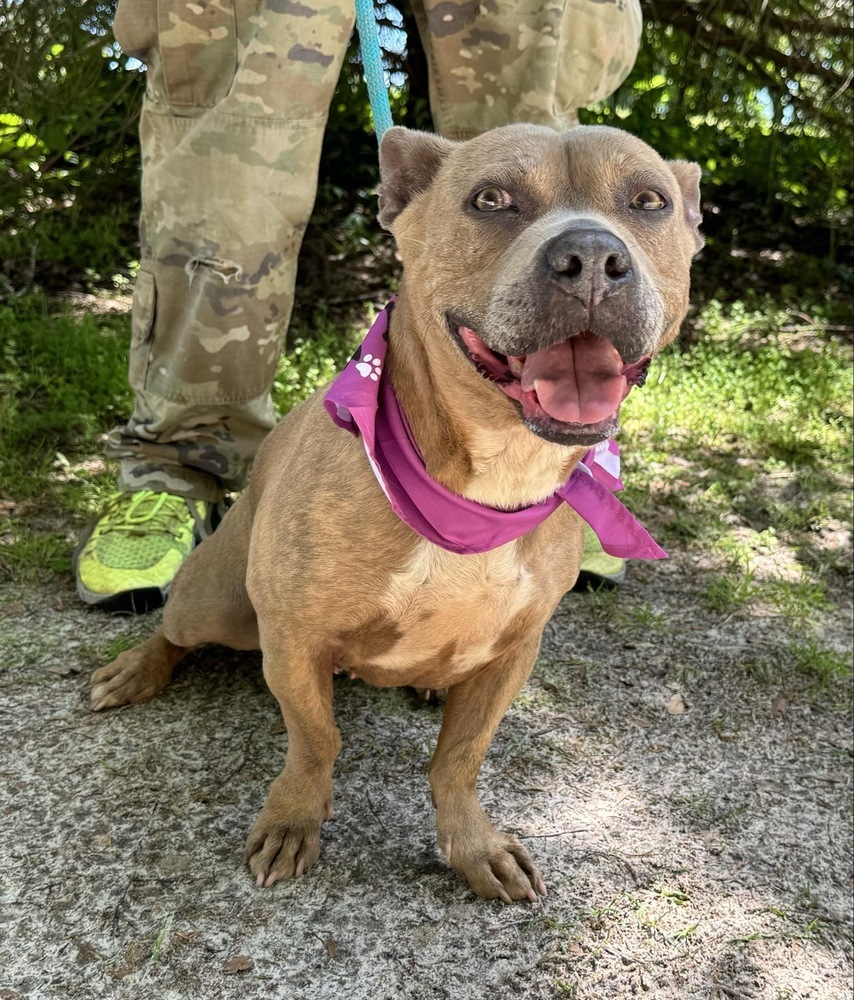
(285, 839)
(494, 864)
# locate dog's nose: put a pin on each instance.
(589, 263)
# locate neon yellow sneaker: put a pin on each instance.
(597, 567)
(132, 551)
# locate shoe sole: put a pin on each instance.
(593, 581)
(129, 602)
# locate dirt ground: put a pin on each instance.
(685, 789)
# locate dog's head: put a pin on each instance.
(556, 264)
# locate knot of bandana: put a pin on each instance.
(361, 401)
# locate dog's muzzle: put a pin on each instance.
(568, 335)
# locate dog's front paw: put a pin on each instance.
(277, 850)
(494, 864)
(285, 839)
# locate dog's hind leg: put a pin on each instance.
(137, 674)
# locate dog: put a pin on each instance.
(541, 273)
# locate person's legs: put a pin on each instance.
(237, 97)
(231, 133)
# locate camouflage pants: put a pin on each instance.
(236, 103)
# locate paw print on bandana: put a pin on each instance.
(369, 367)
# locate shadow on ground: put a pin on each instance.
(692, 817)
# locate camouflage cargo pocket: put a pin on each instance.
(142, 326)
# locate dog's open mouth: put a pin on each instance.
(570, 392)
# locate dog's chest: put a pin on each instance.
(446, 614)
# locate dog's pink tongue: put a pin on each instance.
(579, 381)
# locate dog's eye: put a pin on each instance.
(492, 199)
(650, 201)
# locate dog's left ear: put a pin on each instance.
(409, 161)
(688, 176)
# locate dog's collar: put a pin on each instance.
(363, 402)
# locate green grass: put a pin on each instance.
(62, 382)
(739, 450)
(748, 426)
(811, 658)
(312, 358)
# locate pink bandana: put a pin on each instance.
(362, 402)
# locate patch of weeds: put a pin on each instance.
(811, 658)
(749, 429)
(764, 672)
(676, 896)
(602, 601)
(543, 922)
(63, 385)
(562, 677)
(799, 601)
(99, 654)
(710, 814)
(632, 618)
(527, 699)
(63, 380)
(519, 750)
(731, 591)
(799, 922)
(685, 932)
(28, 556)
(735, 585)
(600, 917)
(647, 619)
(159, 942)
(805, 899)
(742, 551)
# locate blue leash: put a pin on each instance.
(372, 64)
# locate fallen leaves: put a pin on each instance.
(240, 963)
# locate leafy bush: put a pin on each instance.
(68, 162)
(755, 93)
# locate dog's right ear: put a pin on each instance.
(688, 176)
(409, 161)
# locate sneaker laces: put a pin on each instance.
(145, 512)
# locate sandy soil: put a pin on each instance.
(686, 791)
